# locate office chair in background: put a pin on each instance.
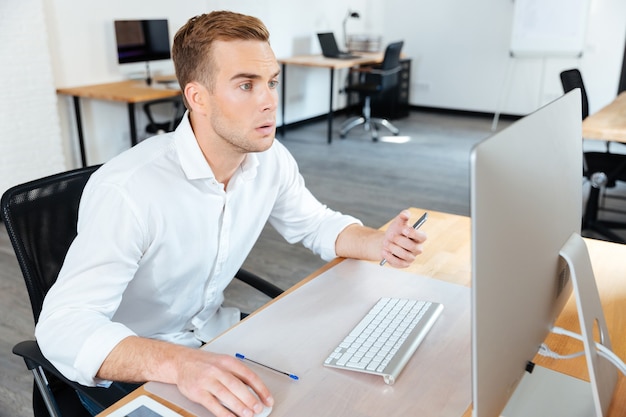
(601, 169)
(40, 217)
(173, 106)
(375, 81)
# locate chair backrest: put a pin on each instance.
(172, 106)
(571, 79)
(391, 59)
(391, 63)
(40, 217)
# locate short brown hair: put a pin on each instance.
(192, 48)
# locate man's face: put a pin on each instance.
(244, 98)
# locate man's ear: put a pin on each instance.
(196, 97)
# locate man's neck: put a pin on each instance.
(223, 166)
(223, 158)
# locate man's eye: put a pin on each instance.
(246, 86)
(273, 84)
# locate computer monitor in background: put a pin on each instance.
(142, 41)
(526, 203)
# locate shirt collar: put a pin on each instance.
(192, 159)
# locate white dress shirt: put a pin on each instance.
(159, 239)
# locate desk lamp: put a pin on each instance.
(350, 14)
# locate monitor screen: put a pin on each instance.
(526, 202)
(142, 40)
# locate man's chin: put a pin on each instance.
(259, 144)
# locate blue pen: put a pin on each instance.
(242, 357)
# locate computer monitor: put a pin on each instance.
(142, 41)
(526, 202)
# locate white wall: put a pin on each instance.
(460, 54)
(461, 51)
(30, 144)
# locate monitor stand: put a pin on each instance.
(602, 373)
(548, 393)
(148, 76)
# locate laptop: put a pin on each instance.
(330, 48)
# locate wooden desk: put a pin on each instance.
(129, 92)
(319, 61)
(609, 123)
(447, 257)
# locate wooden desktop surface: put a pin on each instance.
(609, 123)
(320, 61)
(447, 257)
(130, 91)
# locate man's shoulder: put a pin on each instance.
(149, 155)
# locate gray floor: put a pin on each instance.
(372, 181)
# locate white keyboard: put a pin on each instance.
(386, 338)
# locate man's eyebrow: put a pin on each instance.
(245, 75)
(251, 76)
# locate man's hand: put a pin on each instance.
(402, 243)
(215, 381)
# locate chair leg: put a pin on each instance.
(349, 124)
(42, 384)
(369, 123)
(364, 120)
(386, 123)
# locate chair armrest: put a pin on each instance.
(31, 353)
(385, 72)
(375, 69)
(258, 283)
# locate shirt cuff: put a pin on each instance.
(95, 350)
(328, 253)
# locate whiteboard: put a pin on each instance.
(543, 28)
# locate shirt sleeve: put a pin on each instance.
(75, 331)
(299, 217)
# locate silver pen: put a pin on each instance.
(416, 226)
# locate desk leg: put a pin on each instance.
(282, 100)
(330, 109)
(131, 121)
(79, 128)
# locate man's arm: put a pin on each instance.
(399, 244)
(204, 377)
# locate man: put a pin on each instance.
(164, 227)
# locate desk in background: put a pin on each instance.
(319, 61)
(129, 92)
(609, 123)
(447, 258)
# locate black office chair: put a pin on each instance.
(374, 81)
(173, 107)
(601, 169)
(40, 217)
